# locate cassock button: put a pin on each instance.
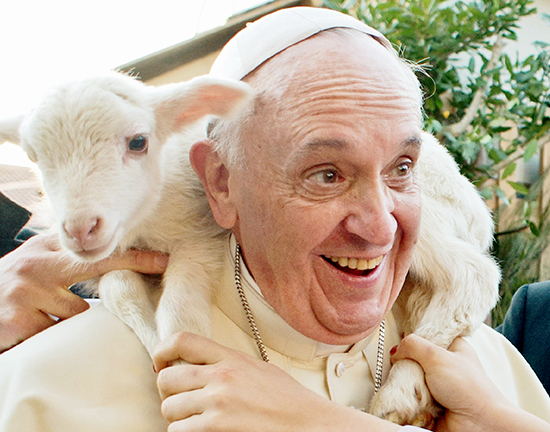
(340, 369)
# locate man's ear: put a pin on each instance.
(214, 177)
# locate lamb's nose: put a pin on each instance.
(84, 232)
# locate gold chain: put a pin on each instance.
(258, 339)
(246, 307)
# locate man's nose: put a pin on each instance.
(371, 216)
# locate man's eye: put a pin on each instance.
(403, 169)
(327, 176)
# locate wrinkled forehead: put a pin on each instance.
(336, 66)
(339, 53)
(257, 54)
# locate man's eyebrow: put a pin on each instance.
(313, 147)
(413, 141)
(318, 144)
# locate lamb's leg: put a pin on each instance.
(129, 297)
(463, 296)
(405, 399)
(186, 299)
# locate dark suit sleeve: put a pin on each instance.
(513, 325)
(12, 218)
(527, 326)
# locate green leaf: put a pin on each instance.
(472, 65)
(508, 64)
(534, 229)
(433, 125)
(530, 150)
(509, 170)
(500, 193)
(486, 193)
(496, 123)
(513, 102)
(486, 139)
(529, 207)
(518, 187)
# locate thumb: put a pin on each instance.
(147, 262)
(422, 351)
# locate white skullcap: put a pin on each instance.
(271, 34)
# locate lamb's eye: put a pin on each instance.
(138, 144)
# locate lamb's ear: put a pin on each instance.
(179, 105)
(9, 130)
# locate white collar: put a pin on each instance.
(275, 332)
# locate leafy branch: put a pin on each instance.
(471, 112)
(490, 110)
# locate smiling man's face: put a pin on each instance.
(326, 205)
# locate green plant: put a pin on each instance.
(489, 109)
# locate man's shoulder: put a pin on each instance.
(525, 324)
(534, 295)
(486, 338)
(492, 347)
(95, 331)
(510, 371)
(88, 373)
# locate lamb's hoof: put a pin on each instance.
(404, 399)
(424, 420)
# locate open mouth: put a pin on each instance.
(354, 266)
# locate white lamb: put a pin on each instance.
(118, 174)
(116, 170)
(452, 285)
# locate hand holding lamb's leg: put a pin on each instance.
(439, 315)
(405, 399)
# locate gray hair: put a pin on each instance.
(227, 136)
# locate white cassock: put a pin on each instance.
(91, 372)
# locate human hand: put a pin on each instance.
(34, 282)
(222, 389)
(457, 381)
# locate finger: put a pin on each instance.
(466, 351)
(54, 300)
(147, 262)
(416, 348)
(189, 347)
(194, 423)
(183, 405)
(42, 243)
(180, 378)
(460, 345)
(50, 241)
(21, 324)
(62, 303)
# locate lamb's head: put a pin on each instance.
(98, 143)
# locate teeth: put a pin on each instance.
(362, 264)
(357, 264)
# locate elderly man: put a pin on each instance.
(316, 183)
